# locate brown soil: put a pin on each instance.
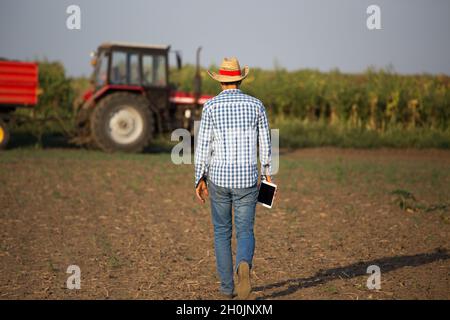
(133, 226)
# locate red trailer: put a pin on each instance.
(18, 88)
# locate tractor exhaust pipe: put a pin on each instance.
(197, 80)
(178, 58)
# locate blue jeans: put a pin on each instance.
(244, 202)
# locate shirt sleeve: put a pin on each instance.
(265, 148)
(203, 150)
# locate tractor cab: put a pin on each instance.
(131, 65)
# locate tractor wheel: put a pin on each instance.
(4, 135)
(122, 121)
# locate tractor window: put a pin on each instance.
(102, 67)
(125, 68)
(147, 69)
(118, 68)
(154, 70)
(134, 68)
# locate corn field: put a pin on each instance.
(375, 108)
(376, 99)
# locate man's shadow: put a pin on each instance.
(351, 271)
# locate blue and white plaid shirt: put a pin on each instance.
(232, 125)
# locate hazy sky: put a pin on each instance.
(320, 34)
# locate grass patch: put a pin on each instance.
(296, 133)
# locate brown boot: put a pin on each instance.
(243, 287)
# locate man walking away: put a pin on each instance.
(232, 125)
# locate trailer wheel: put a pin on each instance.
(122, 121)
(4, 135)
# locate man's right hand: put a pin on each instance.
(201, 191)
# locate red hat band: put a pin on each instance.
(229, 73)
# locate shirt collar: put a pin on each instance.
(231, 91)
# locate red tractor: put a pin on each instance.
(131, 99)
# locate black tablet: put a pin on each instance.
(266, 193)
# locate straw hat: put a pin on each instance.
(230, 71)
